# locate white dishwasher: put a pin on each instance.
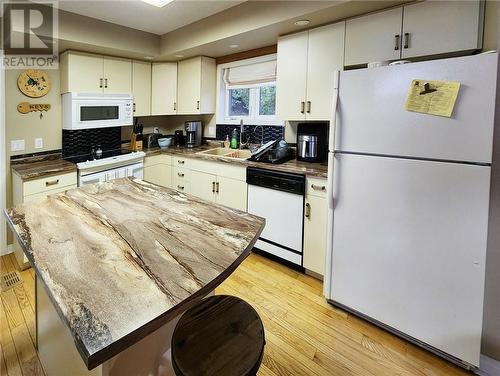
(279, 198)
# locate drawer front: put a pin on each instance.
(316, 187)
(181, 174)
(226, 170)
(182, 186)
(42, 195)
(158, 159)
(48, 184)
(232, 172)
(181, 162)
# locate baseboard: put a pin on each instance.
(6, 251)
(488, 366)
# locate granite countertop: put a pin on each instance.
(319, 170)
(122, 258)
(36, 167)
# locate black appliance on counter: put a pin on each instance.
(312, 142)
(179, 138)
(276, 152)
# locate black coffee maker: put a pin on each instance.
(312, 142)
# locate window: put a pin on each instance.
(248, 92)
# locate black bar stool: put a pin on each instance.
(223, 336)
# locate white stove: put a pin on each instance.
(119, 164)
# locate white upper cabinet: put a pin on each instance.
(291, 76)
(164, 89)
(325, 55)
(81, 72)
(436, 27)
(421, 29)
(117, 75)
(196, 86)
(374, 37)
(141, 88)
(88, 73)
(306, 62)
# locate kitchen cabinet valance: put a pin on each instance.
(251, 74)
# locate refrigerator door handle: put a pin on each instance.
(330, 191)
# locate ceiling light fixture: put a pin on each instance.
(234, 45)
(148, 57)
(179, 55)
(158, 3)
(302, 22)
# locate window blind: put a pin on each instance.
(250, 75)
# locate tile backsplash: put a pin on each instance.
(271, 132)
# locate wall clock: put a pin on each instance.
(34, 83)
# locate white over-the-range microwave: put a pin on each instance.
(85, 111)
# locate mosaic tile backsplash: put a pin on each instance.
(271, 132)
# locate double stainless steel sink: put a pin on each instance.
(240, 154)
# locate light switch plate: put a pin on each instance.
(16, 145)
(38, 143)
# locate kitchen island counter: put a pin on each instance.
(121, 259)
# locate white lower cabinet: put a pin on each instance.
(33, 190)
(315, 223)
(203, 185)
(158, 170)
(219, 183)
(232, 193)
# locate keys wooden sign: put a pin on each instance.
(26, 107)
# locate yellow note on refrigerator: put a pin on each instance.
(432, 97)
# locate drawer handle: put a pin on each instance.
(217, 187)
(175, 106)
(180, 174)
(105, 83)
(53, 182)
(181, 187)
(302, 107)
(407, 40)
(180, 162)
(396, 44)
(308, 210)
(318, 187)
(308, 107)
(100, 83)
(197, 105)
(213, 187)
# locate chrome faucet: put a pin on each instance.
(242, 130)
(261, 134)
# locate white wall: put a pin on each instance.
(3, 240)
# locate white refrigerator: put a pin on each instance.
(409, 200)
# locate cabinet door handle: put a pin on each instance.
(134, 107)
(396, 45)
(197, 105)
(308, 210)
(308, 107)
(100, 83)
(407, 40)
(175, 106)
(302, 107)
(53, 182)
(213, 187)
(180, 162)
(318, 187)
(180, 174)
(105, 83)
(181, 187)
(217, 187)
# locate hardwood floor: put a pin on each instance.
(304, 334)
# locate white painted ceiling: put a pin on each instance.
(146, 17)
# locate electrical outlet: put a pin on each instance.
(17, 145)
(38, 143)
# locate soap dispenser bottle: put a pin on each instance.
(234, 139)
